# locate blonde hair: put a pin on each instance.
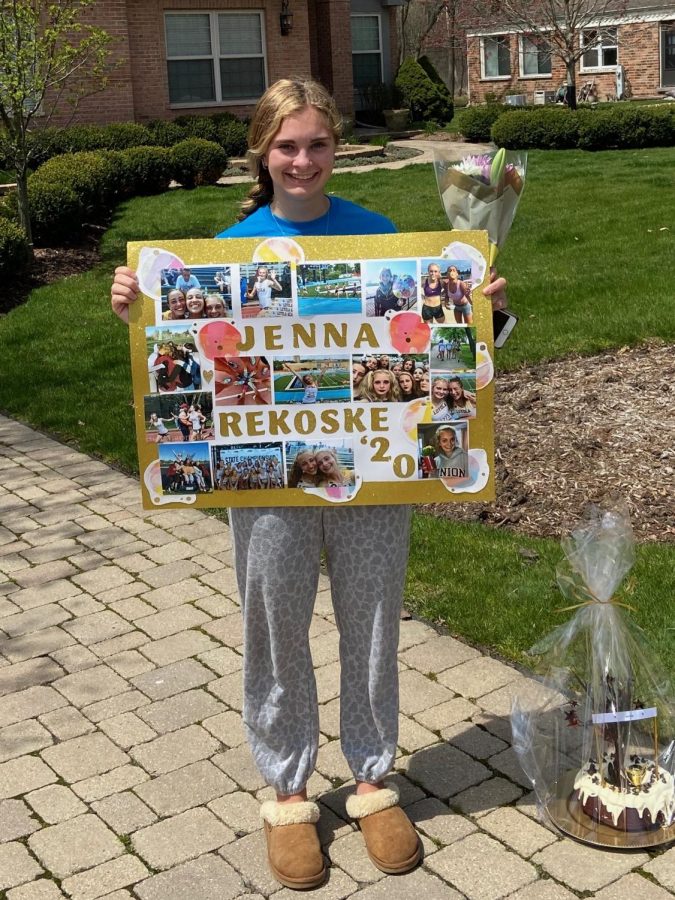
(368, 394)
(284, 98)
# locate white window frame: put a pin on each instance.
(483, 75)
(216, 56)
(377, 16)
(521, 59)
(599, 45)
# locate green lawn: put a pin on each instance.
(589, 264)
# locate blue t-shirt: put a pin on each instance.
(184, 284)
(343, 217)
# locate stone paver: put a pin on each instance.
(180, 838)
(124, 768)
(75, 845)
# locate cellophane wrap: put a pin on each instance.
(595, 735)
(479, 195)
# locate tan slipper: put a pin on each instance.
(293, 848)
(391, 840)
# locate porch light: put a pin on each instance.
(285, 18)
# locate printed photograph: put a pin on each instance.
(242, 380)
(453, 397)
(265, 290)
(178, 417)
(453, 349)
(185, 468)
(445, 292)
(329, 288)
(300, 379)
(390, 378)
(200, 292)
(390, 285)
(173, 359)
(443, 450)
(248, 467)
(322, 464)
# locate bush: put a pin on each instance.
(196, 162)
(121, 135)
(55, 210)
(14, 249)
(475, 122)
(233, 137)
(626, 127)
(49, 142)
(205, 127)
(148, 170)
(547, 129)
(95, 176)
(165, 133)
(426, 98)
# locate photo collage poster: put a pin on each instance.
(313, 370)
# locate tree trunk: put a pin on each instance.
(24, 211)
(571, 86)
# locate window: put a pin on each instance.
(496, 56)
(214, 57)
(366, 51)
(535, 58)
(600, 49)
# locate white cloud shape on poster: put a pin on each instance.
(152, 478)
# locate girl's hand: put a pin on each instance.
(125, 290)
(496, 290)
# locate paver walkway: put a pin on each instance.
(123, 767)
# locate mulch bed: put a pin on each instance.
(580, 429)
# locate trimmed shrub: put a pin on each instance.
(165, 133)
(475, 122)
(55, 210)
(547, 129)
(196, 162)
(121, 135)
(93, 175)
(204, 127)
(49, 142)
(626, 127)
(148, 170)
(14, 249)
(233, 137)
(426, 99)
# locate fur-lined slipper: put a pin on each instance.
(293, 849)
(391, 841)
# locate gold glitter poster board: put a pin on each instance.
(312, 370)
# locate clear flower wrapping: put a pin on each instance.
(596, 736)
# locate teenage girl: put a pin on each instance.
(459, 294)
(292, 140)
(160, 427)
(434, 296)
(380, 387)
(329, 472)
(304, 470)
(407, 386)
(194, 300)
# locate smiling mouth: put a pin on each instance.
(297, 177)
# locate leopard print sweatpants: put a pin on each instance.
(277, 559)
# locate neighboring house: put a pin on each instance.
(641, 39)
(198, 56)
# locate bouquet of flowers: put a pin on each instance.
(481, 192)
(598, 739)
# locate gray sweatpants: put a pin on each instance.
(277, 557)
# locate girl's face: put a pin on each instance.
(215, 308)
(325, 461)
(384, 362)
(307, 463)
(371, 363)
(406, 382)
(439, 390)
(385, 276)
(194, 300)
(417, 374)
(409, 365)
(455, 389)
(382, 383)
(261, 273)
(176, 300)
(300, 157)
(434, 271)
(446, 441)
(453, 273)
(424, 383)
(397, 368)
(358, 374)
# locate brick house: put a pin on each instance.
(198, 56)
(641, 39)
